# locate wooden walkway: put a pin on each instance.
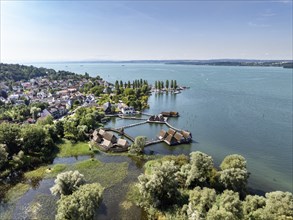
(132, 125)
(131, 118)
(120, 130)
(170, 126)
(146, 114)
(148, 143)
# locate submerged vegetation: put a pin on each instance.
(93, 172)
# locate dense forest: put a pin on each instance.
(18, 72)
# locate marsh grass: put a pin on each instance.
(38, 173)
(43, 207)
(133, 194)
(107, 174)
(17, 191)
(68, 149)
(55, 170)
(45, 172)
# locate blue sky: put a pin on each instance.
(134, 30)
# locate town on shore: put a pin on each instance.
(40, 93)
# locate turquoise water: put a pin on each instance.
(244, 110)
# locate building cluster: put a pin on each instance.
(122, 107)
(59, 94)
(107, 141)
(172, 137)
(157, 118)
(170, 114)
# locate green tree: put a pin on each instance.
(129, 91)
(234, 179)
(34, 140)
(200, 201)
(67, 182)
(159, 85)
(82, 204)
(3, 156)
(175, 84)
(201, 167)
(138, 145)
(279, 205)
(227, 206)
(253, 207)
(48, 120)
(19, 160)
(167, 84)
(60, 128)
(160, 189)
(35, 111)
(233, 161)
(156, 84)
(51, 132)
(234, 174)
(172, 84)
(10, 136)
(116, 85)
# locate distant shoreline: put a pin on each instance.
(214, 62)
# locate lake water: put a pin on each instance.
(243, 110)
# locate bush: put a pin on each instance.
(81, 204)
(138, 145)
(201, 167)
(159, 189)
(67, 182)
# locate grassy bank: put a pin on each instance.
(69, 149)
(92, 169)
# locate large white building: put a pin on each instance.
(128, 111)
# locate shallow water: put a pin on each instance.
(244, 110)
(110, 208)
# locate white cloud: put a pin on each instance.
(252, 24)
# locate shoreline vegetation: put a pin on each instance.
(31, 137)
(182, 187)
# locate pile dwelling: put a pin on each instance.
(172, 137)
(157, 118)
(107, 141)
(170, 114)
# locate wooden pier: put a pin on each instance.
(170, 126)
(148, 143)
(178, 137)
(146, 114)
(131, 118)
(132, 125)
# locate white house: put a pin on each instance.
(128, 111)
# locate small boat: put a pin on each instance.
(177, 92)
